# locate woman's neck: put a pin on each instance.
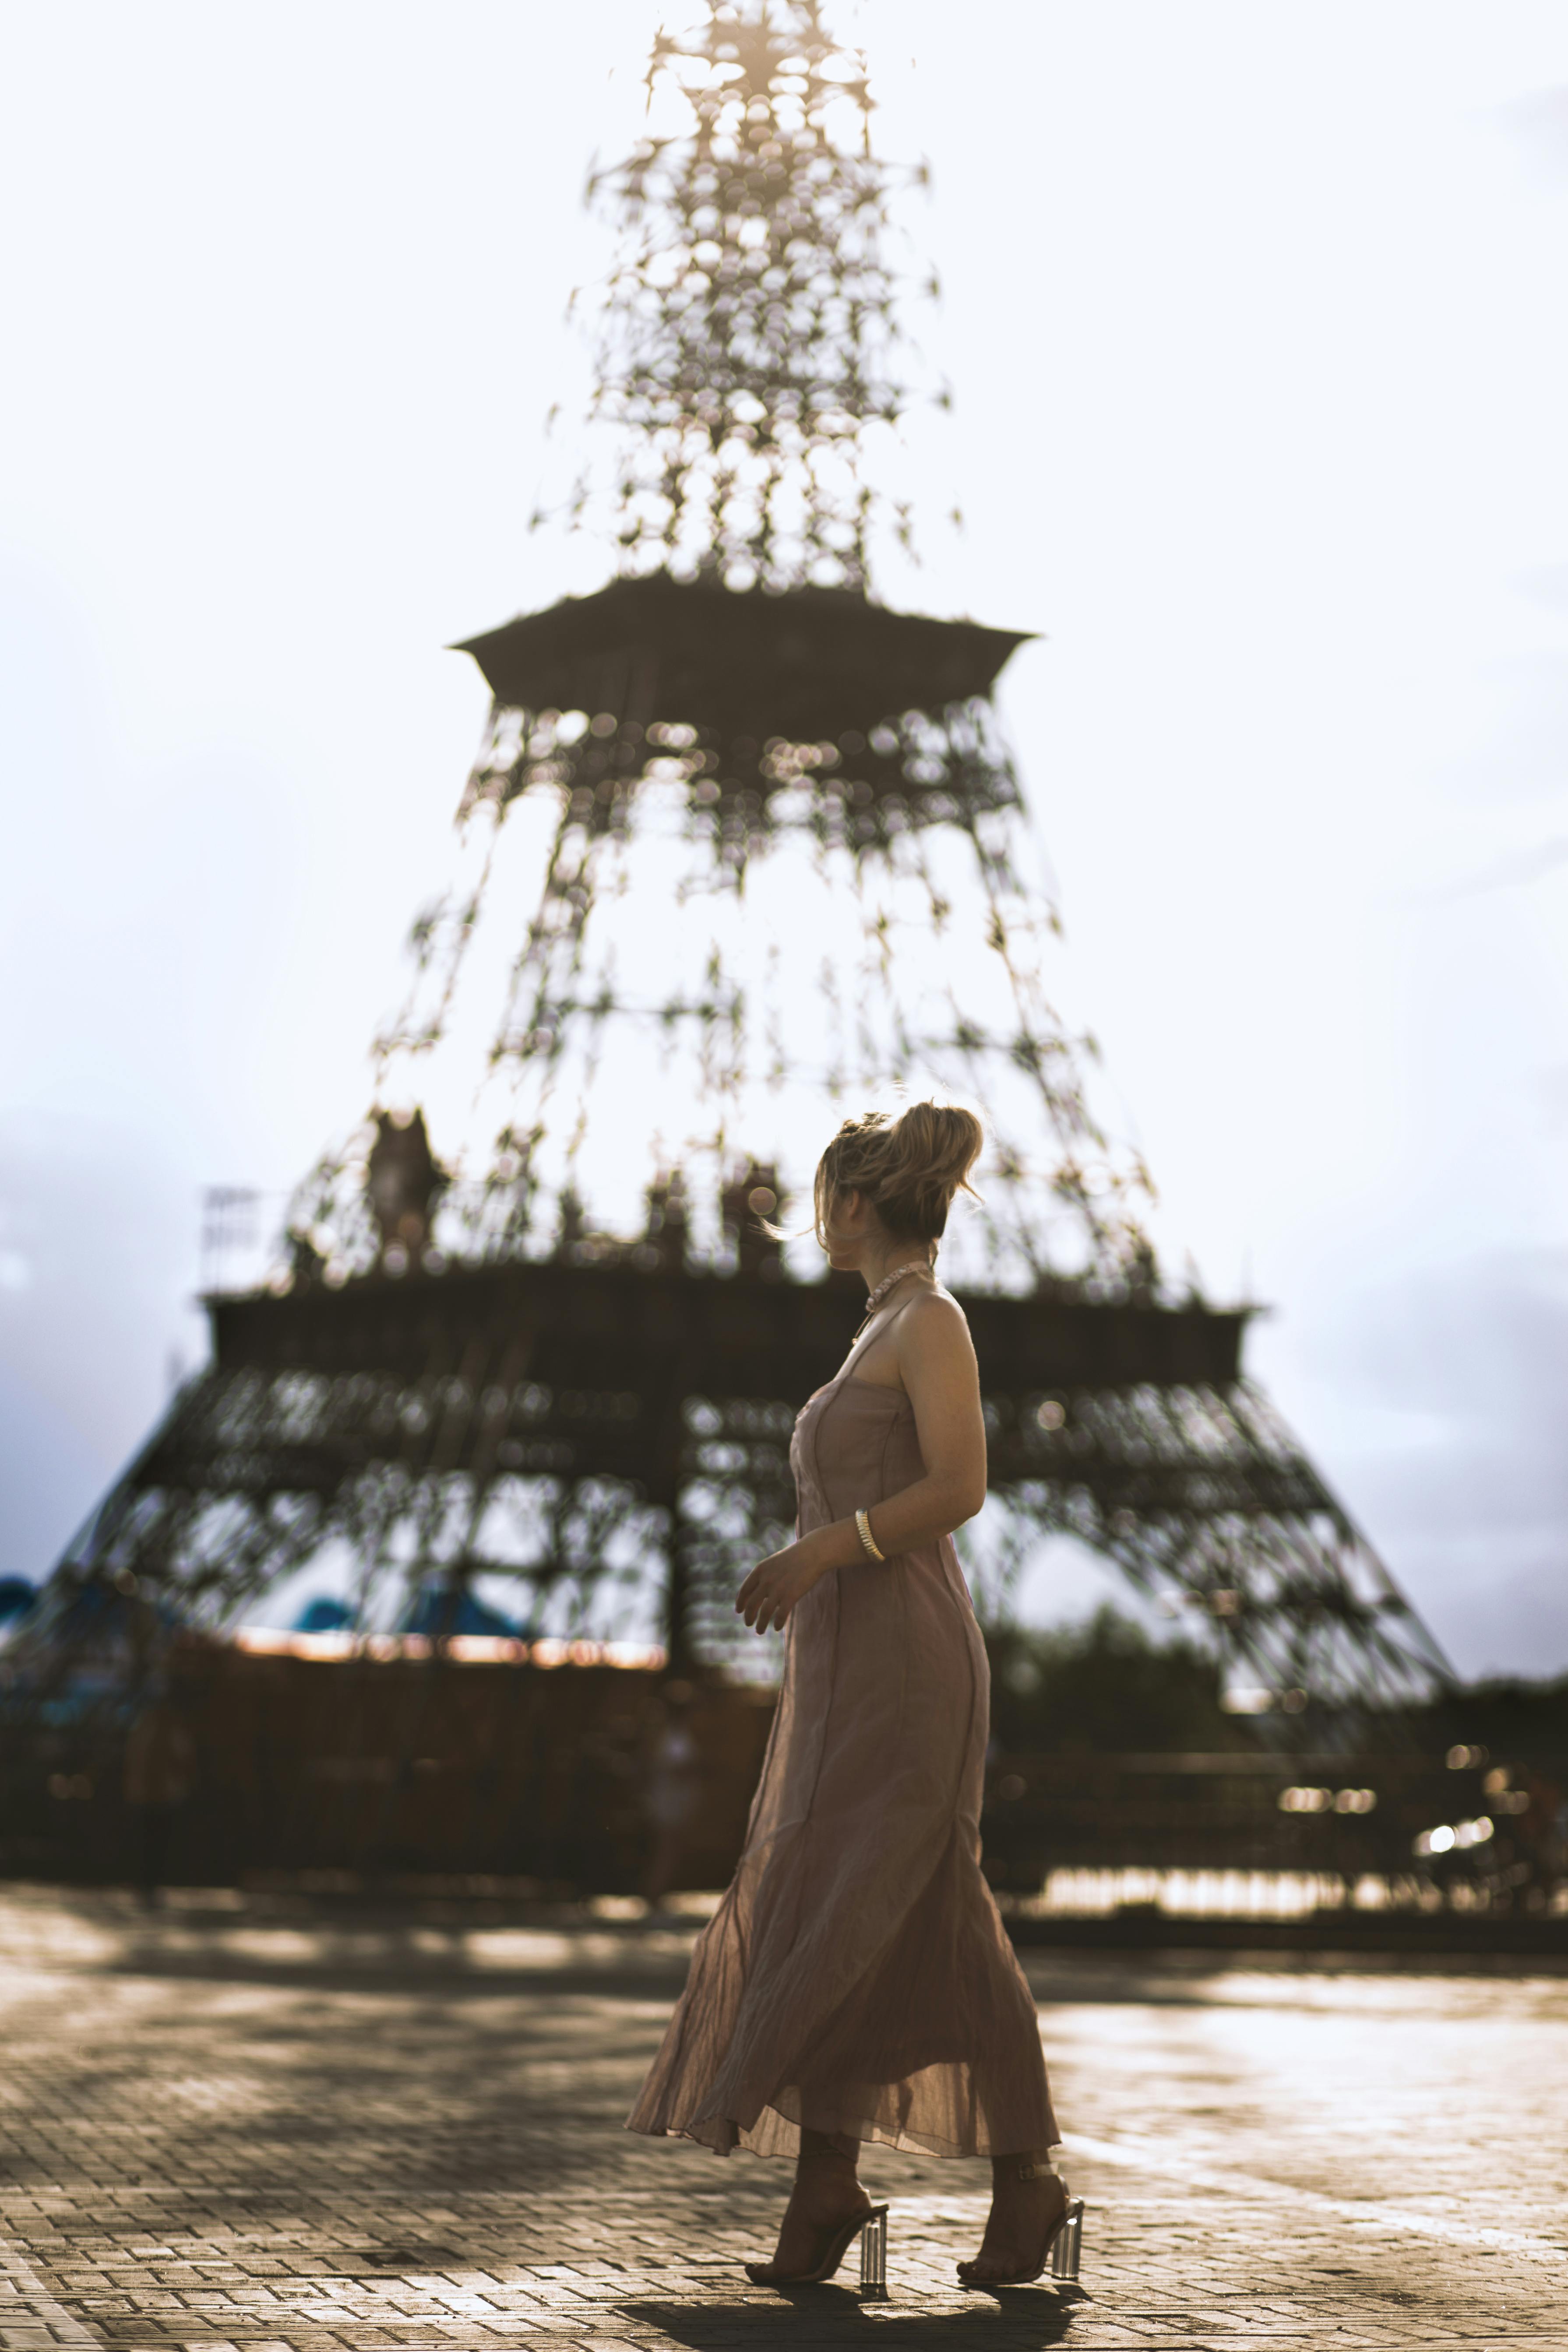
(877, 1265)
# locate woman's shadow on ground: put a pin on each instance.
(1010, 2319)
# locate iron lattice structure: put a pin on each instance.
(739, 841)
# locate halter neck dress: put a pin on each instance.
(857, 1978)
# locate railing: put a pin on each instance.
(240, 1238)
(1102, 1832)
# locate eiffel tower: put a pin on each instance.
(743, 847)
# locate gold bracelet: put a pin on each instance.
(868, 1541)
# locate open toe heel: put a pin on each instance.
(1060, 2255)
(871, 2228)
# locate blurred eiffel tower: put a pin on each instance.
(741, 845)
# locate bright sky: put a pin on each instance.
(1255, 321)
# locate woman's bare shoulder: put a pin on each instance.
(936, 1320)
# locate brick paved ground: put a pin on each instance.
(225, 2130)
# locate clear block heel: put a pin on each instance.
(1066, 2242)
(874, 2255)
(872, 2230)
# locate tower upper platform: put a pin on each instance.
(810, 665)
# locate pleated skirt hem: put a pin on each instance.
(774, 2135)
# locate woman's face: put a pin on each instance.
(851, 1223)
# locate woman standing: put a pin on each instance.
(857, 1982)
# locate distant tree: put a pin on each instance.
(1105, 1685)
(1513, 1716)
(324, 1616)
(16, 1597)
(438, 1609)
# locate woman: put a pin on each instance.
(857, 1982)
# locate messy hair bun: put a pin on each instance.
(909, 1167)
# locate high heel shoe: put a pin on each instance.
(1062, 2249)
(872, 2228)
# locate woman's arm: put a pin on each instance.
(938, 1373)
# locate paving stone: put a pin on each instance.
(241, 2135)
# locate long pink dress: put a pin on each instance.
(857, 1978)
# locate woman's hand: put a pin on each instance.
(777, 1583)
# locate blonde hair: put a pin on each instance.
(910, 1168)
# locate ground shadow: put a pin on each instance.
(1009, 2319)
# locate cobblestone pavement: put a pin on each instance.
(224, 2128)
